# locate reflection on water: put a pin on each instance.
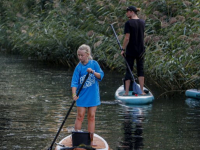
(192, 103)
(35, 97)
(134, 117)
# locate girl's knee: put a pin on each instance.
(80, 118)
(91, 118)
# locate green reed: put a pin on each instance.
(53, 30)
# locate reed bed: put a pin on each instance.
(52, 31)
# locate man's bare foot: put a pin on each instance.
(143, 93)
(125, 94)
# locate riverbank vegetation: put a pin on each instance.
(52, 30)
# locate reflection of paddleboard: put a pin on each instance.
(137, 110)
(193, 93)
(191, 102)
(133, 99)
(100, 143)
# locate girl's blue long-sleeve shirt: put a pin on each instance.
(89, 95)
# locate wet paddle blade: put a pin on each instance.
(136, 88)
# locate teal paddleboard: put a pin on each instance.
(133, 99)
(193, 93)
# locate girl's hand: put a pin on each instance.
(74, 97)
(89, 70)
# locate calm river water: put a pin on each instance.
(34, 99)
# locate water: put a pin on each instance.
(35, 97)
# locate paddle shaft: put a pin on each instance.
(123, 54)
(50, 148)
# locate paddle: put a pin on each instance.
(50, 148)
(136, 88)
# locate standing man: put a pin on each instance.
(133, 46)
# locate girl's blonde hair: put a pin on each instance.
(87, 50)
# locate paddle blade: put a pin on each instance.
(136, 88)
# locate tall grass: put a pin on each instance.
(173, 46)
(53, 30)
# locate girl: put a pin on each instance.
(89, 97)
